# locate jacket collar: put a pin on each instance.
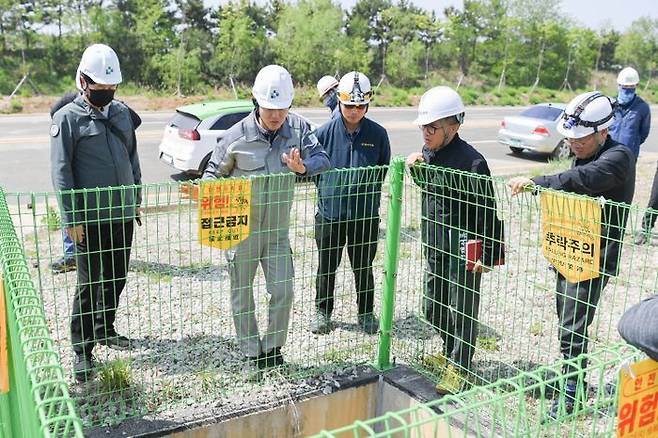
(91, 111)
(252, 130)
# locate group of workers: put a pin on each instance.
(93, 145)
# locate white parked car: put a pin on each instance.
(535, 129)
(191, 135)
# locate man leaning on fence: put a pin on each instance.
(602, 168)
(269, 141)
(93, 146)
(458, 210)
(348, 201)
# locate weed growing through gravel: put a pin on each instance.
(51, 220)
(115, 376)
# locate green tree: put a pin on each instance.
(240, 50)
(638, 46)
(311, 43)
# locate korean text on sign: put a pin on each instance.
(224, 211)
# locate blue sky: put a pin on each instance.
(593, 13)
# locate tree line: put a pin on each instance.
(184, 46)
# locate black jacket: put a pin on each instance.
(458, 195)
(609, 173)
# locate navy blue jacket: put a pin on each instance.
(353, 194)
(631, 125)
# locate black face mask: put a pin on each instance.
(100, 98)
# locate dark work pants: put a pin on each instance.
(361, 236)
(102, 262)
(452, 300)
(576, 305)
(650, 218)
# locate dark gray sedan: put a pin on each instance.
(535, 129)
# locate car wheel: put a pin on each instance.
(204, 163)
(516, 151)
(562, 151)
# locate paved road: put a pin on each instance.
(24, 143)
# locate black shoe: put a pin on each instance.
(115, 341)
(271, 359)
(84, 368)
(368, 323)
(641, 237)
(321, 323)
(566, 402)
(63, 265)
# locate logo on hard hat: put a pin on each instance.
(274, 94)
(109, 70)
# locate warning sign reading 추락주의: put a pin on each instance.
(571, 235)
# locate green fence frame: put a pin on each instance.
(38, 402)
(171, 217)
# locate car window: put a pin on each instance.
(184, 121)
(542, 112)
(228, 120)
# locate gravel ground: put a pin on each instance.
(176, 306)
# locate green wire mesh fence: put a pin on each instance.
(176, 307)
(512, 407)
(180, 297)
(514, 328)
(38, 401)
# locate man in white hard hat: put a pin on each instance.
(602, 168)
(327, 86)
(348, 201)
(452, 217)
(67, 262)
(93, 145)
(269, 141)
(632, 120)
(631, 128)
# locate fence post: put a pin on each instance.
(391, 253)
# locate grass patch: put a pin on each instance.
(51, 220)
(115, 376)
(487, 343)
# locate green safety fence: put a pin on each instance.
(37, 403)
(516, 328)
(512, 407)
(177, 303)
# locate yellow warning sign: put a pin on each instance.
(571, 230)
(4, 356)
(638, 400)
(224, 209)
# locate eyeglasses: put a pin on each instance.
(431, 129)
(356, 107)
(579, 141)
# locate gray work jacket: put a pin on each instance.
(244, 151)
(89, 151)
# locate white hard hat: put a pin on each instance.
(628, 77)
(354, 89)
(439, 103)
(101, 64)
(585, 114)
(273, 88)
(325, 84)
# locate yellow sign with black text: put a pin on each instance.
(571, 240)
(224, 209)
(638, 400)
